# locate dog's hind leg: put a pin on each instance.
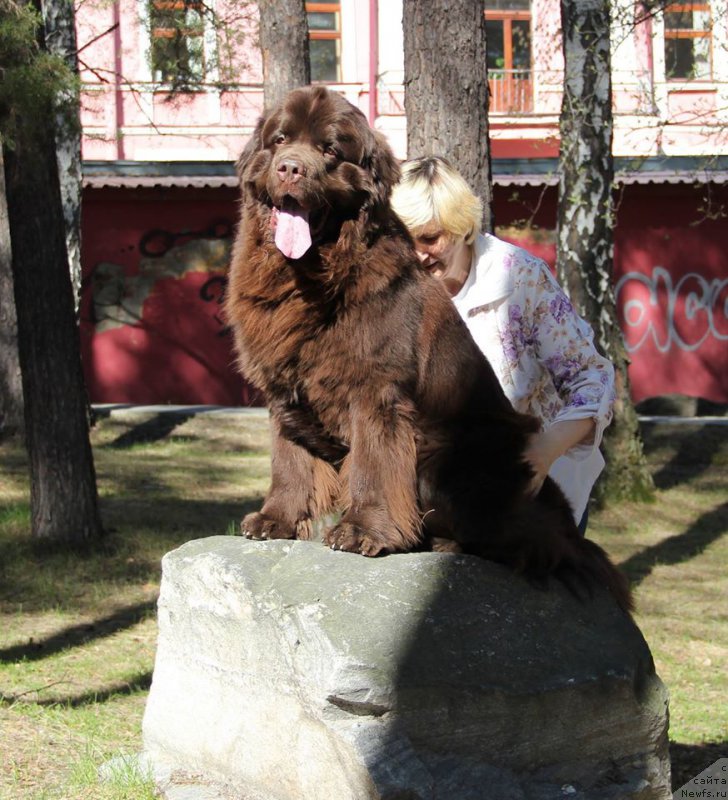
(380, 476)
(303, 487)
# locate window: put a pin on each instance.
(508, 41)
(178, 41)
(688, 42)
(324, 31)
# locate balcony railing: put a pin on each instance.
(511, 91)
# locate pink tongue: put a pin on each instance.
(293, 235)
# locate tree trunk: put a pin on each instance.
(64, 505)
(446, 89)
(284, 46)
(585, 225)
(11, 388)
(61, 40)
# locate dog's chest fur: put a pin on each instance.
(310, 350)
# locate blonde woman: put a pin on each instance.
(518, 315)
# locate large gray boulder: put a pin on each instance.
(287, 671)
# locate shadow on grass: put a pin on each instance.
(693, 456)
(139, 683)
(679, 548)
(140, 532)
(151, 430)
(77, 635)
(689, 760)
(170, 515)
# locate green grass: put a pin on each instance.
(676, 553)
(77, 633)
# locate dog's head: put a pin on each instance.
(316, 163)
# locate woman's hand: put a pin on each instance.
(540, 457)
(545, 447)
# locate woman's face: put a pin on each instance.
(435, 249)
(443, 255)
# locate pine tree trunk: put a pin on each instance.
(446, 89)
(284, 46)
(61, 40)
(64, 505)
(585, 225)
(11, 389)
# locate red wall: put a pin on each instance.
(154, 333)
(672, 289)
(671, 277)
(173, 346)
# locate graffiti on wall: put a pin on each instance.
(682, 313)
(213, 291)
(119, 297)
(153, 327)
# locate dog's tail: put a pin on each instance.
(578, 563)
(584, 560)
(586, 563)
(540, 540)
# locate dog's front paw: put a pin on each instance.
(260, 526)
(354, 539)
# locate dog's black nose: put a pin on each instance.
(290, 170)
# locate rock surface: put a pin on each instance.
(287, 671)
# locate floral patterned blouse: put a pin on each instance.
(541, 351)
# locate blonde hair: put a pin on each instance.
(432, 189)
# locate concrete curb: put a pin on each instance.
(129, 409)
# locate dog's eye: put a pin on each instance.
(330, 150)
(280, 139)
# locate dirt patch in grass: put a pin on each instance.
(77, 634)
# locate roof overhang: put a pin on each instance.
(506, 172)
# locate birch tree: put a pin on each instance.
(60, 36)
(585, 225)
(284, 47)
(446, 89)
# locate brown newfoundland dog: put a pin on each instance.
(382, 407)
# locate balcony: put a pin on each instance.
(511, 91)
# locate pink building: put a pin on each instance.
(171, 96)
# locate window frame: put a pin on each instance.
(330, 8)
(689, 33)
(161, 32)
(509, 93)
(507, 17)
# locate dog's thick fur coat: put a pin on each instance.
(381, 404)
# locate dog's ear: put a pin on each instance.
(383, 167)
(254, 145)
